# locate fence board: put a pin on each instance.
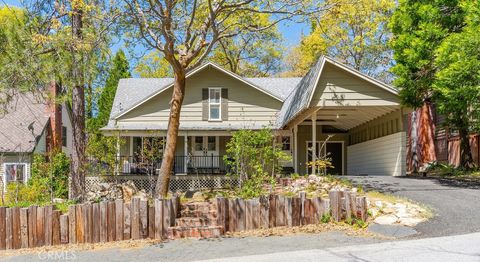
(319, 211)
(272, 210)
(362, 207)
(347, 205)
(353, 203)
(9, 228)
(326, 206)
(3, 234)
(111, 225)
(289, 211)
(158, 218)
(256, 213)
(335, 204)
(56, 227)
(24, 227)
(232, 215)
(119, 219)
(80, 224)
(32, 226)
(64, 225)
(264, 212)
(151, 222)
(72, 224)
(296, 211)
(303, 196)
(127, 207)
(241, 214)
(136, 218)
(103, 221)
(167, 213)
(309, 212)
(143, 219)
(48, 225)
(96, 222)
(17, 240)
(249, 214)
(222, 212)
(89, 223)
(280, 211)
(40, 226)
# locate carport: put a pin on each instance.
(361, 118)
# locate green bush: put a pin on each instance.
(254, 157)
(48, 180)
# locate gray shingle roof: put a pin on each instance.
(280, 87)
(297, 101)
(23, 123)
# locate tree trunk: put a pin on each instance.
(78, 108)
(466, 159)
(163, 181)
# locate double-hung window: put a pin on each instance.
(214, 102)
(15, 172)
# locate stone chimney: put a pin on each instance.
(54, 135)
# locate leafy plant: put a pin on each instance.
(326, 218)
(254, 157)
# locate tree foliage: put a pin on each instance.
(101, 148)
(353, 32)
(254, 157)
(436, 47)
(119, 69)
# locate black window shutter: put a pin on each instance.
(224, 104)
(205, 104)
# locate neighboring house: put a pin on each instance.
(363, 115)
(31, 125)
(429, 141)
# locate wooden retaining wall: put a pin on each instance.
(116, 220)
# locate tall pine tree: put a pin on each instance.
(120, 69)
(100, 147)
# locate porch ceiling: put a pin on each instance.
(346, 118)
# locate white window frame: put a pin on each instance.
(219, 104)
(25, 178)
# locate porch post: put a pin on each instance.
(314, 141)
(185, 152)
(295, 148)
(117, 162)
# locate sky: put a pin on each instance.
(291, 31)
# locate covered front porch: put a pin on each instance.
(196, 153)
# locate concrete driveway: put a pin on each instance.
(456, 204)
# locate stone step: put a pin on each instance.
(191, 222)
(194, 232)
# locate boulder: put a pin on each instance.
(386, 219)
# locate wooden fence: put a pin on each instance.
(116, 220)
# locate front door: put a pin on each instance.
(205, 151)
(335, 151)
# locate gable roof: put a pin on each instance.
(133, 92)
(23, 124)
(300, 98)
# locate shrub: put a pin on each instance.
(48, 180)
(254, 157)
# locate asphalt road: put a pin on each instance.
(452, 248)
(456, 204)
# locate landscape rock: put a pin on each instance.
(386, 219)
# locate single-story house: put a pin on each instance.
(31, 125)
(363, 114)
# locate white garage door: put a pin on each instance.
(378, 157)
